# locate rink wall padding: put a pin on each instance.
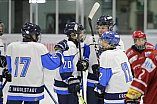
(49, 40)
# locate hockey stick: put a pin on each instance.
(4, 84)
(76, 29)
(81, 98)
(91, 14)
(50, 94)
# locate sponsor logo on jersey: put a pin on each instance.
(147, 53)
(148, 65)
(132, 59)
(133, 94)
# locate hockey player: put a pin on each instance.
(104, 23)
(2, 61)
(67, 79)
(115, 74)
(144, 82)
(139, 51)
(25, 62)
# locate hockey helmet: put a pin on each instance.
(105, 20)
(30, 29)
(140, 37)
(2, 28)
(71, 31)
(111, 40)
(111, 37)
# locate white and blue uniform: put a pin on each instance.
(67, 70)
(115, 75)
(92, 78)
(26, 62)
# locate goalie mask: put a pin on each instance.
(140, 40)
(109, 40)
(2, 27)
(31, 31)
(104, 23)
(73, 30)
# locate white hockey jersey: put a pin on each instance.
(25, 62)
(92, 78)
(67, 70)
(115, 74)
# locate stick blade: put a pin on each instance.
(93, 10)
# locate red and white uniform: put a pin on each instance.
(145, 82)
(137, 57)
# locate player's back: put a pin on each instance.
(118, 62)
(26, 68)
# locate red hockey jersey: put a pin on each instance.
(137, 57)
(145, 82)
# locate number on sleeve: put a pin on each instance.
(126, 72)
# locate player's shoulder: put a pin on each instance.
(13, 44)
(107, 53)
(150, 46)
(129, 52)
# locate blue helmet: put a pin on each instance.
(111, 37)
(69, 28)
(105, 20)
(30, 29)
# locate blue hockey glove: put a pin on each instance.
(73, 86)
(61, 46)
(99, 91)
(95, 69)
(132, 101)
(3, 61)
(6, 74)
(82, 65)
(86, 51)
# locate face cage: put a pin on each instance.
(141, 47)
(39, 38)
(82, 38)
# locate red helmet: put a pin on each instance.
(138, 34)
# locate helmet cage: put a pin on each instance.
(140, 47)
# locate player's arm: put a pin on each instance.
(104, 78)
(55, 60)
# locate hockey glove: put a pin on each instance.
(6, 74)
(61, 46)
(86, 51)
(99, 91)
(95, 69)
(132, 101)
(82, 65)
(3, 61)
(73, 86)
